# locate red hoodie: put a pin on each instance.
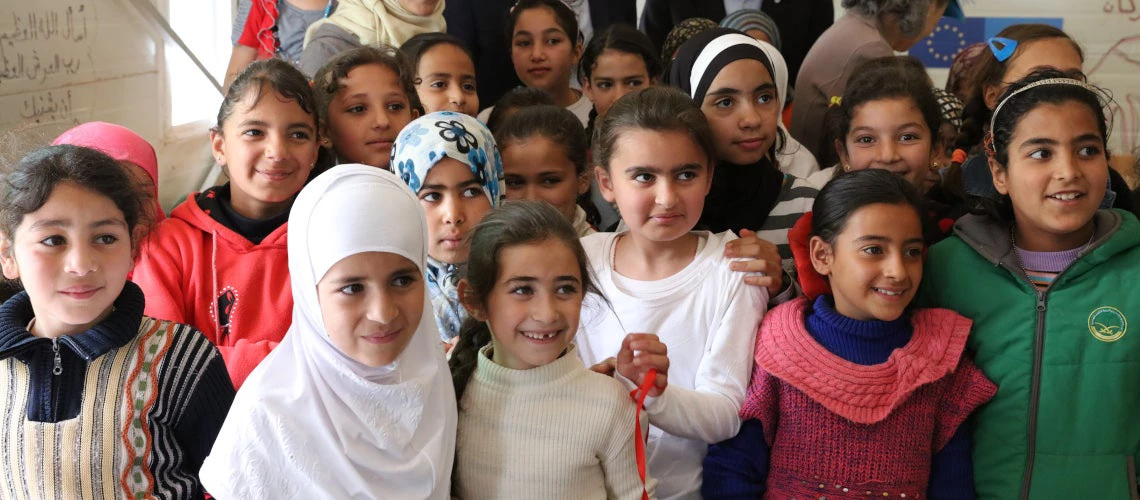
(192, 263)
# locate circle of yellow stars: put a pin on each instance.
(952, 29)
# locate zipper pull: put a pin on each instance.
(1040, 301)
(57, 369)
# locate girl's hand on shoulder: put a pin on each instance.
(641, 352)
(606, 366)
(764, 266)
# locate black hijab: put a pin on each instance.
(742, 195)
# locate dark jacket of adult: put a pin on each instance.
(800, 21)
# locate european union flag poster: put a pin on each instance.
(951, 36)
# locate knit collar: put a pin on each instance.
(533, 379)
(862, 394)
(862, 342)
(115, 331)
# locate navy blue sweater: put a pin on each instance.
(738, 468)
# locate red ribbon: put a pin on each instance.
(639, 396)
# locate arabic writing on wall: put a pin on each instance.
(42, 43)
(1123, 7)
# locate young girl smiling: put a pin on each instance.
(356, 402)
(523, 390)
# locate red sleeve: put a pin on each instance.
(968, 389)
(253, 25)
(159, 274)
(762, 402)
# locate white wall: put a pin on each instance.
(65, 62)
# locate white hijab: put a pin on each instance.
(794, 159)
(310, 422)
(381, 22)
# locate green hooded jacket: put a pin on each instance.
(1065, 422)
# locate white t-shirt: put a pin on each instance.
(708, 318)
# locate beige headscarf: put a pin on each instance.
(377, 22)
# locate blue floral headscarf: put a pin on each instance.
(429, 138)
(419, 147)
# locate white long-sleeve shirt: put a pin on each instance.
(707, 316)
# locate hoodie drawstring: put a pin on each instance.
(214, 297)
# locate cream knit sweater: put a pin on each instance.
(557, 431)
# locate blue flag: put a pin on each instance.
(951, 36)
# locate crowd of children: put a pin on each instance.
(627, 278)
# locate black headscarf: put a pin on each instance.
(741, 195)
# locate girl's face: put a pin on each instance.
(743, 112)
(1056, 176)
(1056, 53)
(542, 52)
(366, 114)
(371, 304)
(892, 135)
(659, 181)
(445, 80)
(268, 146)
(533, 309)
(874, 266)
(72, 257)
(615, 74)
(536, 168)
(454, 201)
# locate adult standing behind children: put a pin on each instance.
(869, 30)
(801, 22)
(368, 22)
(484, 30)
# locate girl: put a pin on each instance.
(362, 23)
(1023, 48)
(869, 30)
(357, 401)
(888, 118)
(366, 96)
(853, 394)
(654, 151)
(218, 263)
(544, 158)
(444, 73)
(545, 48)
(1014, 53)
(1050, 292)
(452, 164)
(617, 61)
(132, 152)
(738, 84)
(525, 283)
(100, 401)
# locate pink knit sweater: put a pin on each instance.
(843, 430)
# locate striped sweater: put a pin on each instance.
(131, 411)
(796, 198)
